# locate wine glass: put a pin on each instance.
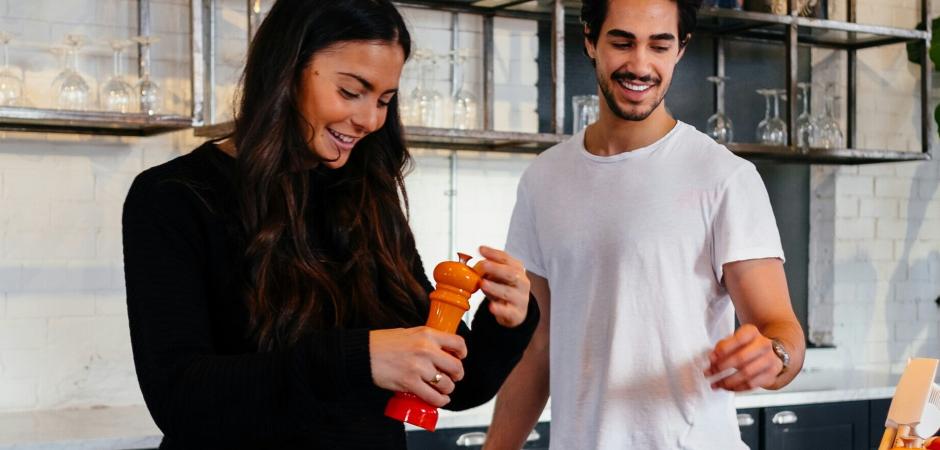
(807, 127)
(72, 89)
(425, 100)
(408, 83)
(466, 105)
(443, 104)
(830, 133)
(777, 127)
(117, 94)
(720, 127)
(763, 136)
(11, 83)
(148, 91)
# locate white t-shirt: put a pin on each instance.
(632, 246)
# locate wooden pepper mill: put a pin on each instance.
(450, 300)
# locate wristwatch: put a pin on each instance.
(781, 353)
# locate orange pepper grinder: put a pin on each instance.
(450, 300)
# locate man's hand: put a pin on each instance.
(752, 357)
(506, 285)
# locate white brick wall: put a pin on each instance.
(879, 308)
(63, 328)
(875, 245)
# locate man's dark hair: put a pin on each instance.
(594, 12)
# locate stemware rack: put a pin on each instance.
(790, 30)
(48, 120)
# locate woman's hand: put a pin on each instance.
(420, 360)
(506, 285)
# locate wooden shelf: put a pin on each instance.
(713, 21)
(89, 122)
(823, 156)
(516, 142)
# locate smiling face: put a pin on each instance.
(636, 54)
(344, 96)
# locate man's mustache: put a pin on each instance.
(630, 76)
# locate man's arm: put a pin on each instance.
(523, 396)
(758, 289)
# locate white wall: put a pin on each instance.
(63, 328)
(875, 253)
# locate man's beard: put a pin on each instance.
(612, 100)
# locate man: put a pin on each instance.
(642, 238)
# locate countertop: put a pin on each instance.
(132, 428)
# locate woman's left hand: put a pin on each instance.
(506, 285)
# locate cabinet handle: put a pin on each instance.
(473, 439)
(477, 438)
(784, 418)
(745, 420)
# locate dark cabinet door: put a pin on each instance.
(749, 423)
(470, 438)
(878, 412)
(830, 426)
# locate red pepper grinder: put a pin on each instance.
(456, 281)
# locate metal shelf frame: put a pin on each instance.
(790, 30)
(101, 122)
(89, 122)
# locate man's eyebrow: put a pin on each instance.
(628, 35)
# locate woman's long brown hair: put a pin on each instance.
(324, 249)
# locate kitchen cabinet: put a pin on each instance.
(832, 426)
(470, 438)
(877, 413)
(749, 423)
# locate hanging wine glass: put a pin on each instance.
(73, 91)
(830, 133)
(807, 127)
(763, 135)
(466, 106)
(11, 83)
(443, 104)
(116, 94)
(408, 84)
(777, 127)
(425, 100)
(148, 91)
(720, 127)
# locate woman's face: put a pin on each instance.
(344, 95)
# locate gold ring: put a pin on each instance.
(437, 378)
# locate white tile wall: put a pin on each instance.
(875, 254)
(63, 328)
(875, 250)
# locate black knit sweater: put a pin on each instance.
(204, 380)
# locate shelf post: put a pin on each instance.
(558, 67)
(254, 18)
(143, 29)
(197, 61)
(208, 39)
(852, 82)
(792, 53)
(489, 64)
(926, 118)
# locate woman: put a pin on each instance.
(274, 290)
